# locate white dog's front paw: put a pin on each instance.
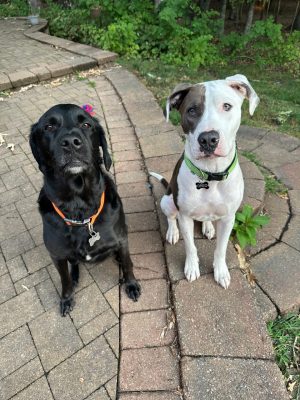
(172, 235)
(191, 269)
(208, 229)
(222, 276)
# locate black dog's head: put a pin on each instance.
(66, 140)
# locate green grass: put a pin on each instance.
(285, 334)
(279, 92)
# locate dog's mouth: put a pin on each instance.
(74, 167)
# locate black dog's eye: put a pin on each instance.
(49, 127)
(227, 107)
(86, 125)
(192, 111)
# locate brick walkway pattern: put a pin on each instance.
(180, 340)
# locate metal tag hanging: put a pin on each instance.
(95, 236)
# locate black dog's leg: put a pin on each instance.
(67, 300)
(75, 272)
(132, 287)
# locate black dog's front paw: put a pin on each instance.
(66, 306)
(133, 290)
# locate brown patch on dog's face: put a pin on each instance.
(192, 108)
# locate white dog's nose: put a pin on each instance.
(208, 141)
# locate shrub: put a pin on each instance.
(14, 8)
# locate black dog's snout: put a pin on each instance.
(71, 141)
(208, 141)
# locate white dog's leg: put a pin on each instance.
(221, 273)
(170, 210)
(208, 229)
(191, 267)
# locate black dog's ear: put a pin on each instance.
(102, 141)
(34, 147)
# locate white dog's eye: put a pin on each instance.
(227, 107)
(192, 111)
(86, 125)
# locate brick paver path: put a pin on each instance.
(180, 340)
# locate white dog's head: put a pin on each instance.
(211, 113)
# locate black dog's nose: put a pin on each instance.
(208, 141)
(71, 141)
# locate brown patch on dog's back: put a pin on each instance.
(173, 185)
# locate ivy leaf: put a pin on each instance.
(242, 239)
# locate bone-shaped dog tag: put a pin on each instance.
(202, 185)
(95, 236)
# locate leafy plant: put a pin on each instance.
(285, 334)
(274, 185)
(246, 226)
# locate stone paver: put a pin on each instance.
(206, 329)
(218, 379)
(84, 372)
(77, 357)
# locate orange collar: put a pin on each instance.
(89, 221)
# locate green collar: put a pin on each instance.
(209, 176)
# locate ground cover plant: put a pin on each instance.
(285, 334)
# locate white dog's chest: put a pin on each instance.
(221, 199)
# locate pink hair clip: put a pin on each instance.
(89, 109)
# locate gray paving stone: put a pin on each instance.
(21, 378)
(32, 218)
(175, 255)
(231, 379)
(98, 326)
(147, 329)
(84, 372)
(10, 196)
(155, 296)
(112, 337)
(14, 178)
(17, 268)
(100, 394)
(292, 235)
(151, 396)
(295, 201)
(3, 268)
(149, 266)
(16, 246)
(55, 337)
(37, 234)
(7, 290)
(10, 226)
(22, 78)
(265, 305)
(112, 297)
(212, 321)
(272, 156)
(36, 258)
(19, 310)
(89, 303)
(48, 294)
(31, 280)
(277, 271)
(111, 387)
(106, 274)
(37, 390)
(16, 349)
(141, 371)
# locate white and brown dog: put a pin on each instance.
(207, 183)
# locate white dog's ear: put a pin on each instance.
(241, 84)
(176, 98)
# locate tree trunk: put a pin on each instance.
(249, 17)
(204, 4)
(278, 10)
(223, 15)
(157, 3)
(296, 21)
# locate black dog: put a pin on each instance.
(83, 217)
